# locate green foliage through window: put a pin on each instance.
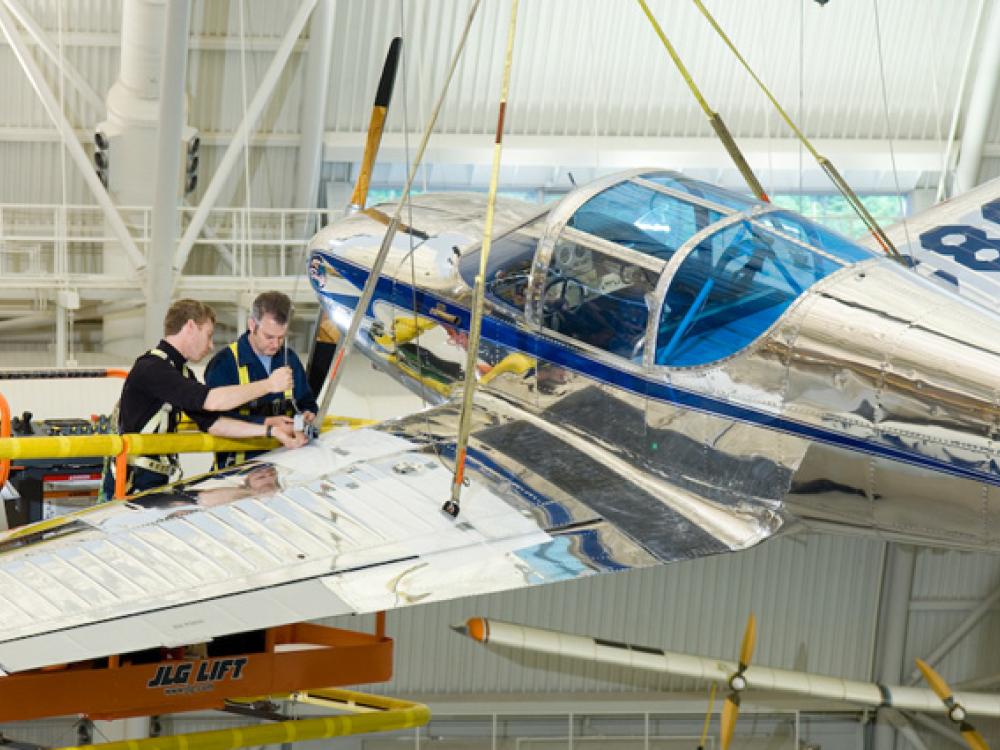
(834, 212)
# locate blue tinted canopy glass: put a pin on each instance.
(734, 285)
(642, 219)
(704, 191)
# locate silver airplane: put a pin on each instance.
(668, 370)
(674, 370)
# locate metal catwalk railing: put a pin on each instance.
(58, 246)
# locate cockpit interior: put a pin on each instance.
(714, 268)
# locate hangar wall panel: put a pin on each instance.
(948, 586)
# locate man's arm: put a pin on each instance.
(226, 397)
(237, 428)
(222, 371)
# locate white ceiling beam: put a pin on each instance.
(987, 682)
(937, 727)
(628, 151)
(958, 633)
(199, 42)
(58, 118)
(72, 75)
(254, 110)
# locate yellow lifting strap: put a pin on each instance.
(713, 117)
(824, 163)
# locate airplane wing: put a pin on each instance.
(350, 524)
(957, 242)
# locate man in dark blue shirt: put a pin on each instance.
(253, 357)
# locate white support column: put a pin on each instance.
(39, 35)
(166, 227)
(977, 120)
(894, 609)
(60, 336)
(69, 138)
(313, 116)
(254, 110)
(67, 300)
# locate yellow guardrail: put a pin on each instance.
(80, 446)
(373, 713)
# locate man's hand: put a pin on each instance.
(280, 380)
(287, 436)
(281, 420)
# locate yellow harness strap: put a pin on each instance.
(158, 423)
(244, 376)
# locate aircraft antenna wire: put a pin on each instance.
(451, 506)
(714, 119)
(367, 294)
(827, 166)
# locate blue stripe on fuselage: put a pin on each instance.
(537, 345)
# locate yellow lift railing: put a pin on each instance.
(368, 713)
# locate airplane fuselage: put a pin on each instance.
(698, 367)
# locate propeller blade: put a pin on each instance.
(937, 683)
(708, 717)
(730, 712)
(943, 691)
(974, 739)
(377, 123)
(749, 640)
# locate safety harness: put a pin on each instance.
(244, 376)
(168, 465)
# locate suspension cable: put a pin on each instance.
(347, 344)
(888, 122)
(451, 506)
(714, 119)
(827, 166)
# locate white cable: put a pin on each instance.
(247, 232)
(888, 123)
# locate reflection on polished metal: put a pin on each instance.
(664, 374)
(867, 399)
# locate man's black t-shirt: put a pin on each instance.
(154, 381)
